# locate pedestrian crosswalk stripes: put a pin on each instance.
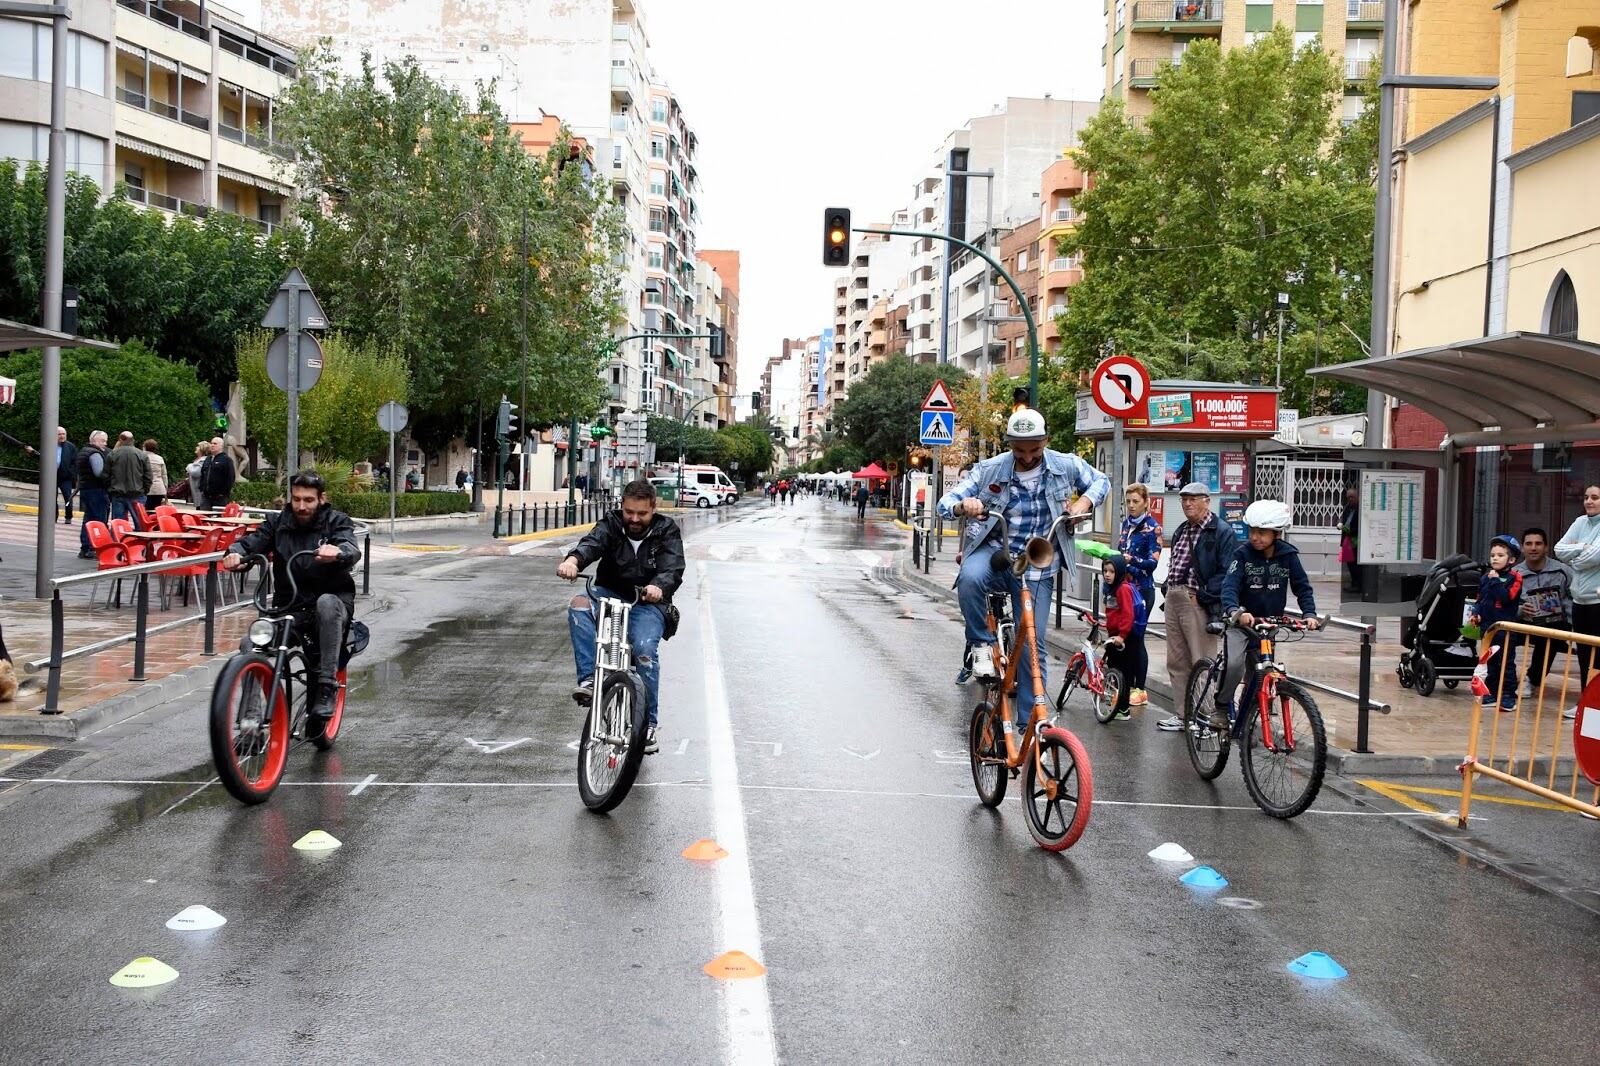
(787, 555)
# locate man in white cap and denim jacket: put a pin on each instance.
(1201, 547)
(1032, 486)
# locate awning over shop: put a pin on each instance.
(1516, 388)
(159, 152)
(17, 335)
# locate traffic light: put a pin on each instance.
(505, 423)
(599, 431)
(719, 342)
(836, 237)
(755, 401)
(915, 460)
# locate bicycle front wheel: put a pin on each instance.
(323, 734)
(1208, 747)
(249, 728)
(612, 745)
(1284, 778)
(986, 746)
(1057, 789)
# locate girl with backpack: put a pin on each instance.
(1127, 615)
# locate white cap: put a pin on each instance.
(1025, 424)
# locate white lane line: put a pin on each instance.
(370, 778)
(747, 1008)
(189, 796)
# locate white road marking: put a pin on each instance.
(747, 1008)
(370, 778)
(859, 755)
(775, 745)
(683, 746)
(445, 568)
(495, 747)
(189, 796)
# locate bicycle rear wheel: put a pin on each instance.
(1069, 681)
(986, 746)
(1208, 748)
(248, 746)
(1057, 790)
(612, 744)
(1285, 782)
(1105, 701)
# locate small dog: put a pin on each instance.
(8, 681)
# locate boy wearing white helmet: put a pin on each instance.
(1260, 576)
(1032, 486)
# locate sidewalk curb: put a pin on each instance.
(74, 725)
(1341, 761)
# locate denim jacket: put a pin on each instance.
(990, 481)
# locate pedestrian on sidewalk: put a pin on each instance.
(1350, 535)
(1127, 614)
(158, 475)
(1202, 547)
(1140, 544)
(217, 477)
(193, 471)
(66, 467)
(1579, 548)
(1499, 593)
(862, 494)
(130, 478)
(93, 481)
(1546, 601)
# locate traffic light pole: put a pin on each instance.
(1027, 312)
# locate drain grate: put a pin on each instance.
(42, 764)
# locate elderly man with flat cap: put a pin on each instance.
(1200, 550)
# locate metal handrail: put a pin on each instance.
(134, 570)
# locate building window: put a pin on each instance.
(658, 148)
(1122, 13)
(28, 143)
(1304, 39)
(1561, 312)
(86, 64)
(655, 257)
(658, 111)
(1585, 105)
(25, 53)
(658, 184)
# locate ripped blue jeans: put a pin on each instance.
(645, 625)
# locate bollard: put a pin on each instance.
(916, 548)
(496, 534)
(366, 568)
(1364, 694)
(211, 608)
(524, 516)
(140, 626)
(58, 639)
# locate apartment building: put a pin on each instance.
(1061, 182)
(1020, 253)
(588, 62)
(784, 387)
(1142, 35)
(726, 263)
(172, 100)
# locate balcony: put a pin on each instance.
(162, 108)
(251, 54)
(622, 82)
(187, 22)
(151, 198)
(1142, 73)
(1359, 68)
(1364, 14)
(1064, 214)
(1177, 16)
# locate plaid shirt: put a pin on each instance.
(1180, 570)
(1027, 516)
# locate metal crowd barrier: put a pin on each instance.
(1509, 774)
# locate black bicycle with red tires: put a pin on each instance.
(261, 698)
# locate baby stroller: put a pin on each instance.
(1436, 649)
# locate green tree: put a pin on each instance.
(131, 388)
(338, 417)
(882, 413)
(186, 289)
(1240, 185)
(411, 228)
(984, 419)
(750, 444)
(700, 445)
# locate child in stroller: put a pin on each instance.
(1437, 650)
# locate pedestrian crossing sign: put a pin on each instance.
(938, 427)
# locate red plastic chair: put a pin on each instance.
(191, 574)
(187, 521)
(138, 550)
(145, 521)
(108, 554)
(232, 510)
(168, 523)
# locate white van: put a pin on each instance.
(703, 486)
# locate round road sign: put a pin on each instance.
(1586, 732)
(1120, 385)
(392, 417)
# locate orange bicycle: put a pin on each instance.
(1057, 781)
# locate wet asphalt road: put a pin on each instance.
(476, 911)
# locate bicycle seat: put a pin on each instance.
(1216, 628)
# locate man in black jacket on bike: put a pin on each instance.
(327, 597)
(640, 552)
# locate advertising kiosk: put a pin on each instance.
(1187, 431)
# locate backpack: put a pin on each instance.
(1141, 609)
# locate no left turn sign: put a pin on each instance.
(1120, 385)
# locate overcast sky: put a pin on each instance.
(801, 106)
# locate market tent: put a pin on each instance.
(871, 472)
(18, 335)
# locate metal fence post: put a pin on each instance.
(1364, 694)
(211, 608)
(366, 567)
(58, 640)
(139, 626)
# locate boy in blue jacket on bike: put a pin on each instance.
(1257, 585)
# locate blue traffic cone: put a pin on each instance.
(1318, 964)
(1204, 877)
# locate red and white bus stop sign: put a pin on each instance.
(1120, 386)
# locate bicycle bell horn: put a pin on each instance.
(1037, 554)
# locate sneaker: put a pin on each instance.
(982, 663)
(1138, 697)
(650, 745)
(583, 692)
(1170, 725)
(963, 675)
(327, 698)
(1221, 718)
(1528, 691)
(1122, 715)
(1570, 712)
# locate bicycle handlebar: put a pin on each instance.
(260, 599)
(588, 588)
